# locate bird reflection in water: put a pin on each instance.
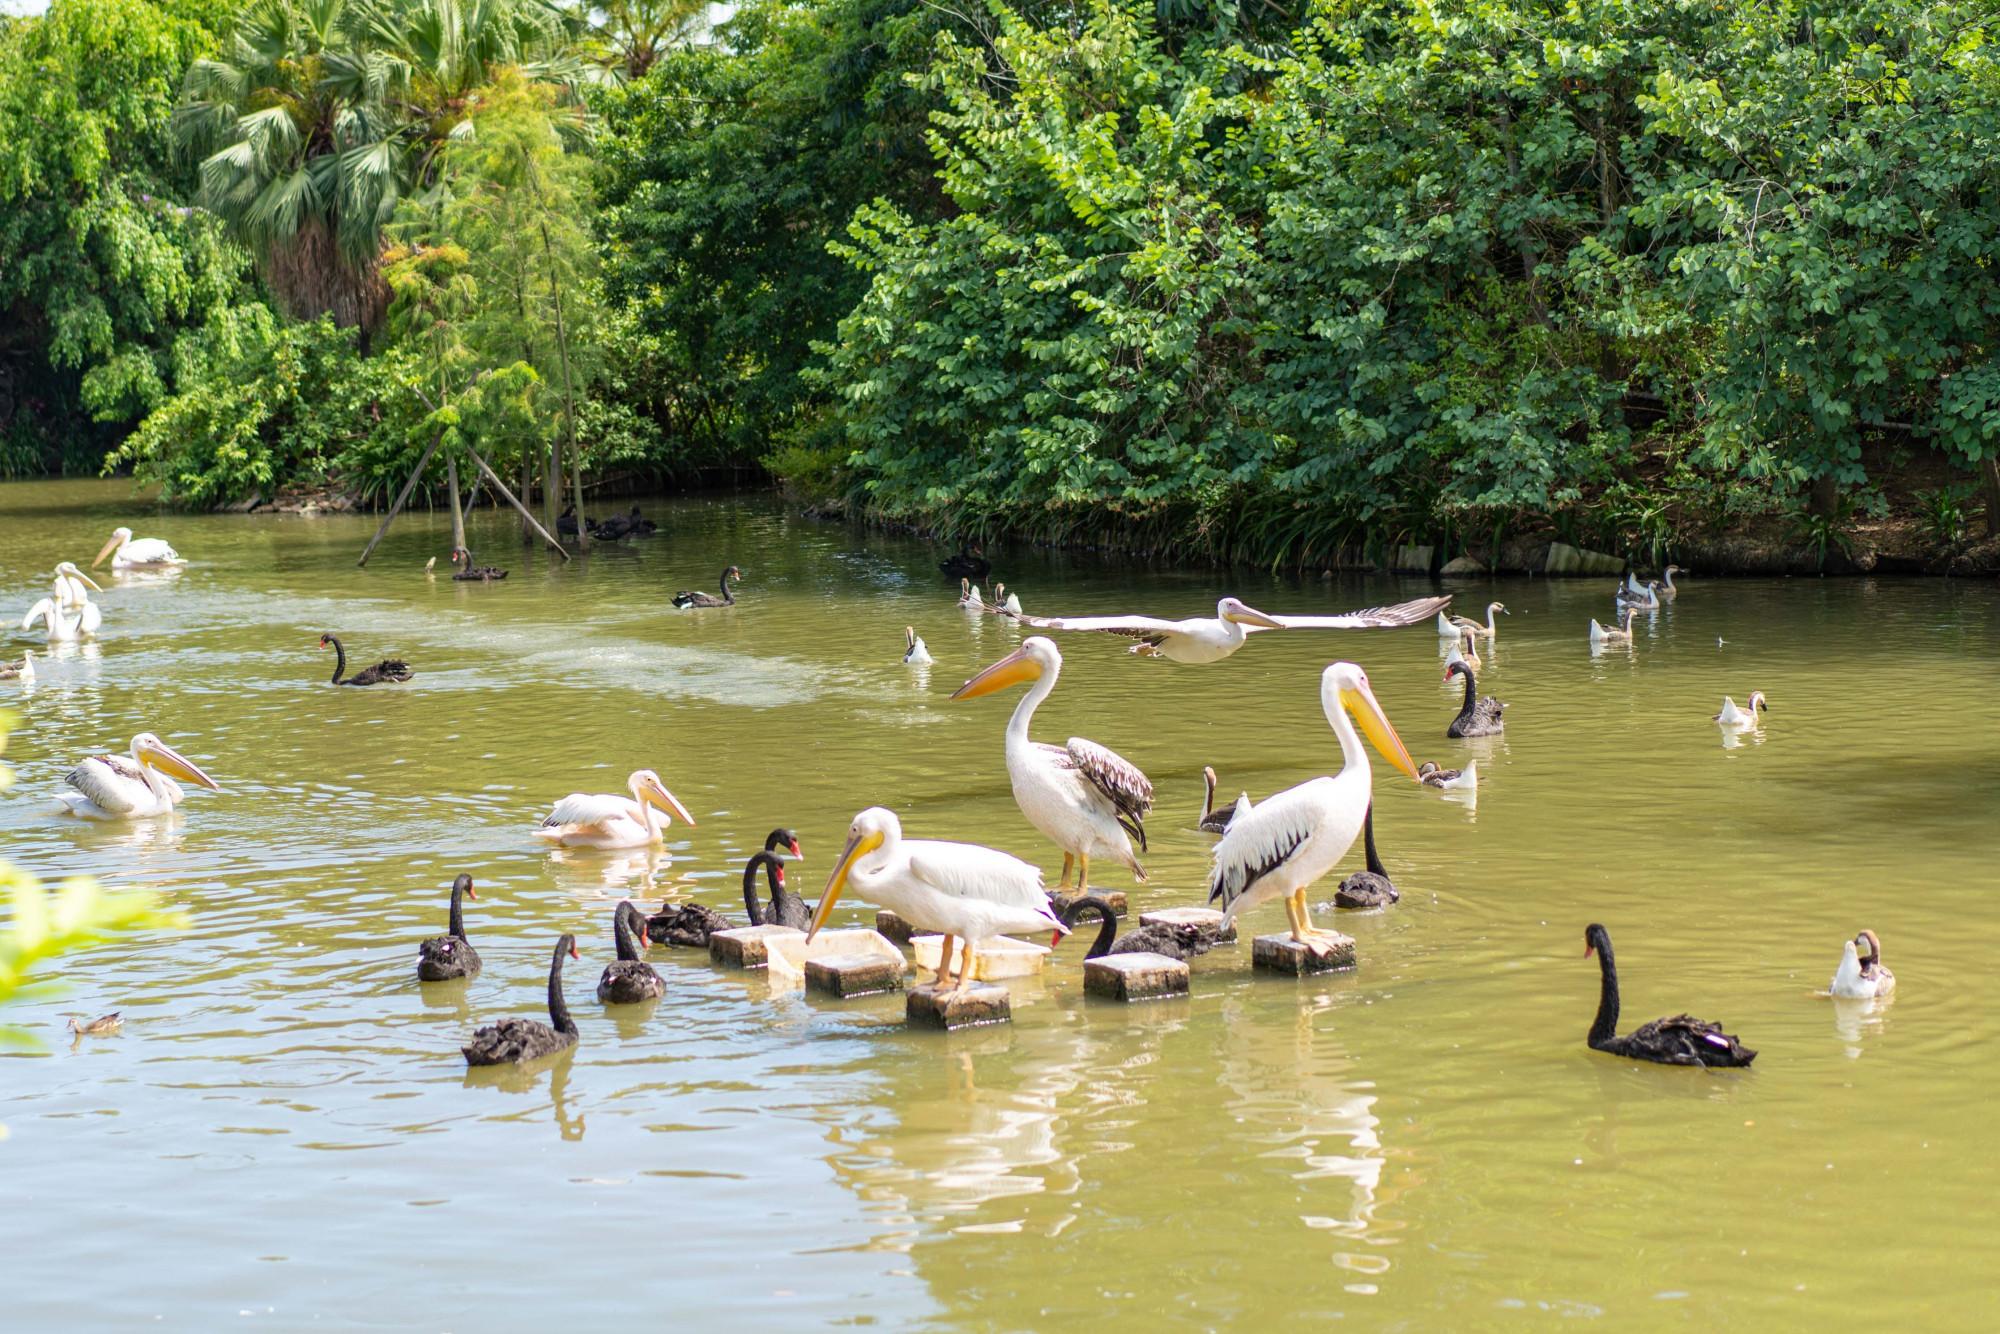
(593, 873)
(521, 1080)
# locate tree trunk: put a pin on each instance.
(1825, 497)
(457, 514)
(500, 486)
(569, 393)
(401, 496)
(1989, 474)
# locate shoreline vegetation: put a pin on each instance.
(1331, 285)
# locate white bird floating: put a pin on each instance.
(969, 597)
(1733, 719)
(1599, 636)
(1466, 625)
(1204, 639)
(1862, 976)
(1009, 605)
(1448, 779)
(1084, 798)
(130, 553)
(73, 587)
(22, 671)
(1281, 846)
(115, 787)
(64, 626)
(602, 820)
(963, 891)
(914, 651)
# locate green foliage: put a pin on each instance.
(1945, 512)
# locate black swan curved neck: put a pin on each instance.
(769, 862)
(1368, 842)
(1107, 929)
(1471, 695)
(340, 670)
(458, 888)
(622, 934)
(728, 594)
(1605, 1026)
(558, 1007)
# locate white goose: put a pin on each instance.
(1466, 625)
(128, 552)
(1010, 605)
(1862, 977)
(121, 787)
(914, 651)
(1733, 719)
(961, 890)
(1280, 847)
(1083, 797)
(602, 820)
(969, 597)
(1599, 636)
(1205, 639)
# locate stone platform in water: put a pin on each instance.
(894, 927)
(746, 946)
(1135, 977)
(854, 975)
(1203, 917)
(995, 960)
(1281, 954)
(928, 1007)
(1114, 897)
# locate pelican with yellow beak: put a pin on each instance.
(114, 787)
(1204, 639)
(1280, 847)
(963, 891)
(1084, 798)
(602, 820)
(130, 553)
(65, 625)
(73, 587)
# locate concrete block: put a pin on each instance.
(927, 1007)
(854, 975)
(1135, 977)
(1210, 918)
(746, 946)
(894, 927)
(994, 961)
(1281, 954)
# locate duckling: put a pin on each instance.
(1861, 976)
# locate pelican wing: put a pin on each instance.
(1130, 791)
(43, 610)
(90, 618)
(148, 551)
(969, 871)
(1151, 629)
(590, 808)
(1368, 618)
(115, 784)
(1264, 837)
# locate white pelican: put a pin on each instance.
(73, 587)
(601, 820)
(113, 787)
(1599, 636)
(914, 651)
(1467, 625)
(22, 671)
(1203, 639)
(1733, 719)
(1862, 976)
(65, 625)
(1284, 844)
(961, 890)
(133, 553)
(1084, 798)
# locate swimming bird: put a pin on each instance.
(22, 671)
(1284, 844)
(967, 564)
(1480, 714)
(1489, 630)
(965, 892)
(102, 1026)
(1370, 888)
(1680, 1040)
(688, 925)
(1447, 626)
(470, 573)
(969, 597)
(566, 522)
(1861, 975)
(1083, 797)
(785, 844)
(1733, 719)
(518, 1041)
(120, 787)
(392, 670)
(72, 586)
(1666, 592)
(1643, 597)
(1431, 776)
(1204, 639)
(128, 552)
(629, 979)
(730, 577)
(1008, 604)
(1468, 651)
(1213, 821)
(1599, 636)
(64, 625)
(1176, 940)
(914, 652)
(786, 908)
(601, 820)
(442, 958)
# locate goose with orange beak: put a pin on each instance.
(122, 787)
(1280, 847)
(137, 553)
(1085, 798)
(963, 891)
(604, 820)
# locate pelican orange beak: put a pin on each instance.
(70, 569)
(857, 847)
(1251, 616)
(1011, 670)
(656, 795)
(159, 755)
(117, 541)
(1360, 702)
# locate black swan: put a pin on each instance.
(1369, 888)
(566, 522)
(639, 526)
(1214, 821)
(685, 924)
(442, 958)
(730, 576)
(628, 979)
(1178, 940)
(469, 572)
(786, 908)
(516, 1041)
(1681, 1040)
(967, 564)
(393, 670)
(1481, 714)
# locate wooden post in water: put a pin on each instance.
(486, 470)
(457, 514)
(401, 497)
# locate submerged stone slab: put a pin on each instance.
(1209, 919)
(1113, 897)
(928, 1007)
(1281, 954)
(894, 927)
(1135, 977)
(746, 946)
(854, 975)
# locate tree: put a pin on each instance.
(632, 35)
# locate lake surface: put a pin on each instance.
(285, 1132)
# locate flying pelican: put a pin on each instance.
(962, 890)
(1204, 639)
(1282, 845)
(113, 787)
(65, 625)
(1084, 798)
(914, 651)
(601, 820)
(1733, 719)
(135, 553)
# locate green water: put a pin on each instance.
(285, 1131)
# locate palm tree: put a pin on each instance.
(318, 116)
